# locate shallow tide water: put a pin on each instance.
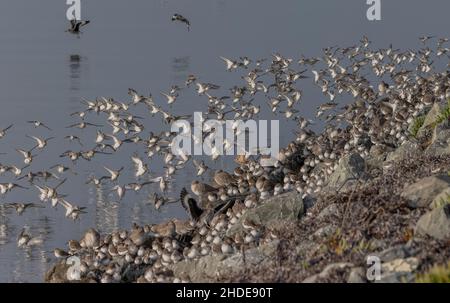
(45, 72)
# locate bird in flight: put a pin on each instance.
(178, 17)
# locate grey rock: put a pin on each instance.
(435, 223)
(273, 212)
(440, 142)
(392, 253)
(357, 275)
(206, 268)
(350, 169)
(311, 279)
(407, 149)
(396, 277)
(327, 271)
(442, 199)
(200, 270)
(57, 273)
(432, 115)
(422, 193)
(398, 270)
(430, 119)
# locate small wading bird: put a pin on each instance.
(40, 143)
(140, 167)
(73, 212)
(27, 156)
(37, 124)
(201, 167)
(231, 64)
(178, 17)
(3, 131)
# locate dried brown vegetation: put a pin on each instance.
(369, 217)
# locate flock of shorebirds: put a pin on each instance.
(371, 117)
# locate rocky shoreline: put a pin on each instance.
(392, 204)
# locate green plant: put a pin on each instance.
(416, 125)
(437, 274)
(337, 243)
(362, 246)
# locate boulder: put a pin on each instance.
(393, 253)
(328, 271)
(422, 193)
(398, 270)
(357, 275)
(396, 277)
(207, 268)
(440, 142)
(430, 119)
(350, 169)
(435, 223)
(57, 273)
(407, 149)
(272, 212)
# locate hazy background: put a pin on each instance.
(44, 72)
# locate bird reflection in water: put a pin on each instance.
(180, 68)
(36, 254)
(3, 225)
(106, 212)
(75, 64)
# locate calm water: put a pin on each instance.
(44, 72)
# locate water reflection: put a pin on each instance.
(106, 211)
(31, 262)
(75, 64)
(3, 225)
(180, 68)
